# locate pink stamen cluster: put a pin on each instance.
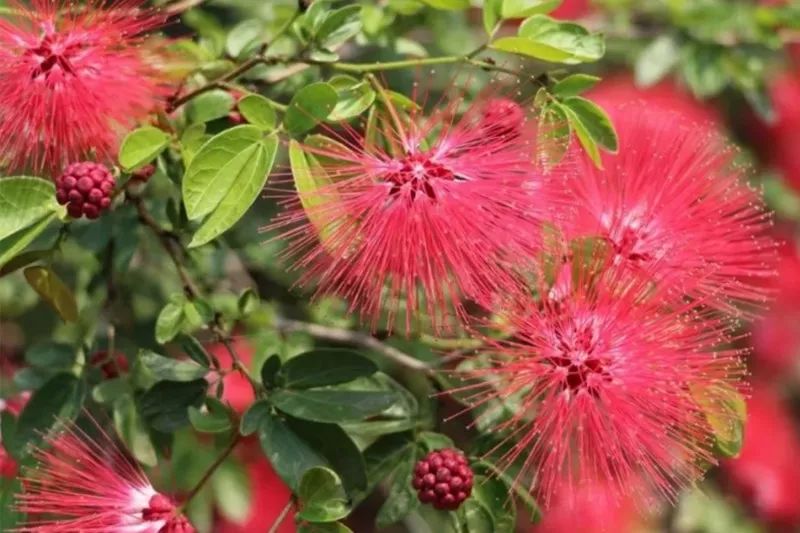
(615, 288)
(90, 483)
(72, 78)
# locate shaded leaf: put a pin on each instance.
(53, 291)
(332, 405)
(164, 406)
(324, 367)
(321, 496)
(165, 368)
(290, 456)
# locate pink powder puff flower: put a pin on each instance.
(72, 78)
(603, 381)
(90, 483)
(426, 214)
(673, 198)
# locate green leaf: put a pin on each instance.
(258, 111)
(450, 5)
(595, 121)
(209, 106)
(314, 188)
(249, 172)
(703, 68)
(514, 9)
(109, 391)
(354, 97)
(24, 201)
(269, 371)
(332, 405)
(332, 443)
(477, 518)
(60, 396)
(553, 135)
(192, 347)
(290, 456)
(192, 139)
(324, 367)
(383, 456)
(53, 291)
(310, 105)
(402, 498)
(493, 495)
(321, 496)
(50, 355)
(131, 429)
(164, 406)
(339, 26)
(574, 84)
(656, 60)
(434, 441)
(547, 39)
(232, 491)
(169, 322)
(11, 246)
(244, 38)
(215, 419)
(141, 146)
(330, 527)
(165, 368)
(254, 417)
(584, 137)
(529, 47)
(492, 13)
(726, 412)
(210, 175)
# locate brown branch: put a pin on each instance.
(211, 469)
(357, 338)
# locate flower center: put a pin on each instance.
(53, 55)
(417, 174)
(158, 508)
(630, 244)
(576, 359)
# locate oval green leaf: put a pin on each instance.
(309, 106)
(258, 111)
(53, 291)
(325, 367)
(250, 170)
(332, 405)
(207, 179)
(321, 496)
(24, 201)
(142, 146)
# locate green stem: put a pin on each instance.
(395, 65)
